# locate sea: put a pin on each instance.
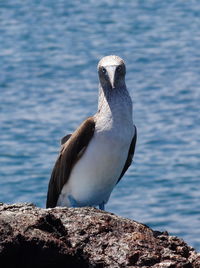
(49, 52)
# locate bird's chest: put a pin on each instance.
(113, 140)
(96, 173)
(110, 150)
(104, 157)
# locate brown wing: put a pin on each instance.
(130, 155)
(70, 152)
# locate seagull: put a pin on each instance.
(94, 158)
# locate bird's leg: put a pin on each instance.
(73, 202)
(102, 206)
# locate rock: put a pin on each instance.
(85, 237)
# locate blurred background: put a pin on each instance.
(49, 51)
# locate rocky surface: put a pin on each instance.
(85, 237)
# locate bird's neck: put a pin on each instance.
(114, 105)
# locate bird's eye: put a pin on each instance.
(119, 68)
(103, 70)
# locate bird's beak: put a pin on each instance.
(111, 75)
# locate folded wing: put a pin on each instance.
(130, 154)
(73, 147)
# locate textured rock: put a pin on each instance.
(85, 237)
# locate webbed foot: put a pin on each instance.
(102, 206)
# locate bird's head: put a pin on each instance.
(111, 70)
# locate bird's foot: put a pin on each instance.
(73, 202)
(102, 206)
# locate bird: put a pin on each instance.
(94, 158)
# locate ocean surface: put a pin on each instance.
(49, 51)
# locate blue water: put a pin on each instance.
(48, 84)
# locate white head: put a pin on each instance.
(111, 70)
